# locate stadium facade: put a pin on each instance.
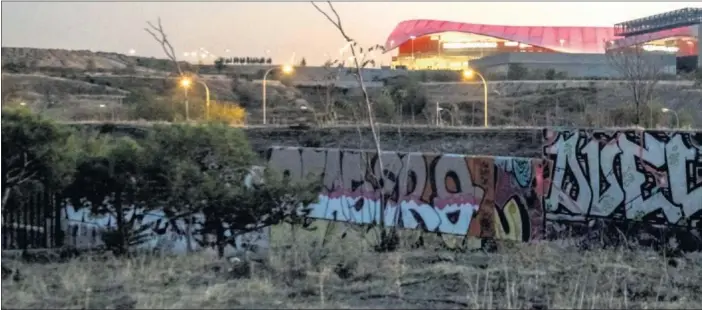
(436, 44)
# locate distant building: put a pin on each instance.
(436, 44)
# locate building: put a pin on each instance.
(436, 44)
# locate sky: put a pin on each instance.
(284, 31)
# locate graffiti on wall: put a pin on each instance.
(650, 176)
(445, 193)
(84, 230)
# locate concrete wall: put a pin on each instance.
(653, 177)
(446, 193)
(541, 181)
(573, 65)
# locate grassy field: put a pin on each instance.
(345, 273)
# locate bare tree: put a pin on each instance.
(159, 35)
(640, 71)
(359, 60)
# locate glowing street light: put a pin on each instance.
(286, 69)
(677, 119)
(468, 74)
(186, 82)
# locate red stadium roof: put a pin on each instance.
(575, 39)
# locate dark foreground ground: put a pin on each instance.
(345, 273)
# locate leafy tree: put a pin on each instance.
(219, 64)
(149, 106)
(235, 60)
(192, 163)
(245, 208)
(516, 72)
(269, 61)
(111, 179)
(410, 97)
(303, 62)
(227, 112)
(550, 74)
(36, 152)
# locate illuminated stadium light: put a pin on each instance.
(658, 48)
(522, 45)
(460, 45)
(511, 43)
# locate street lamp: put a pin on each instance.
(186, 82)
(677, 119)
(468, 74)
(286, 69)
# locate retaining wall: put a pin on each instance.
(649, 177)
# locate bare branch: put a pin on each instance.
(162, 39)
(358, 66)
(640, 72)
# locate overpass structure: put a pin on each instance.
(683, 25)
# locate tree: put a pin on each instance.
(162, 39)
(37, 152)
(640, 71)
(219, 64)
(227, 112)
(303, 62)
(388, 237)
(192, 163)
(269, 61)
(516, 72)
(111, 179)
(270, 201)
(235, 60)
(409, 96)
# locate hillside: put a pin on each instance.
(73, 81)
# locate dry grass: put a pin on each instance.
(346, 274)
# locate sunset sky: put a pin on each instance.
(284, 30)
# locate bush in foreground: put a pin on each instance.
(181, 170)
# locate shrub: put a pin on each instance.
(179, 169)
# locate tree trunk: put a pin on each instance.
(123, 246)
(5, 197)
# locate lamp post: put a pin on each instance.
(677, 119)
(186, 82)
(469, 74)
(286, 69)
(186, 85)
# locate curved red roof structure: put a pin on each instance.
(574, 39)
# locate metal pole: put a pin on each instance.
(265, 76)
(677, 119)
(207, 100)
(187, 106)
(485, 97)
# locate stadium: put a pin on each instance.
(436, 44)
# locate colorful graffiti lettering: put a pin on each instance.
(650, 176)
(448, 194)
